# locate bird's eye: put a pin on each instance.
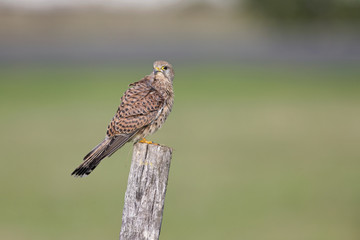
(164, 67)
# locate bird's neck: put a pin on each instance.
(163, 86)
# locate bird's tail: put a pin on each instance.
(92, 159)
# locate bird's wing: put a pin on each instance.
(139, 106)
(117, 142)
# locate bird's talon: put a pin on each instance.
(147, 142)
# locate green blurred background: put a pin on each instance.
(265, 126)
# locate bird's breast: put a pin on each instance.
(162, 115)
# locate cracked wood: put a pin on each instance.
(145, 193)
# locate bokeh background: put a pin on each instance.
(265, 126)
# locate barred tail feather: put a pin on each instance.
(92, 159)
(105, 149)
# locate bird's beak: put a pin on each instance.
(157, 69)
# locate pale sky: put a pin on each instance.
(39, 4)
(140, 4)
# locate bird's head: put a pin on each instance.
(165, 68)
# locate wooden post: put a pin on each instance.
(145, 192)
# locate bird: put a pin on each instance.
(144, 107)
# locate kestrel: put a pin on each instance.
(143, 110)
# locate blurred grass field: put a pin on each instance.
(260, 152)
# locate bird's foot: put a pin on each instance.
(147, 142)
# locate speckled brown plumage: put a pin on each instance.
(144, 108)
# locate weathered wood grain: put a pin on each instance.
(145, 193)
